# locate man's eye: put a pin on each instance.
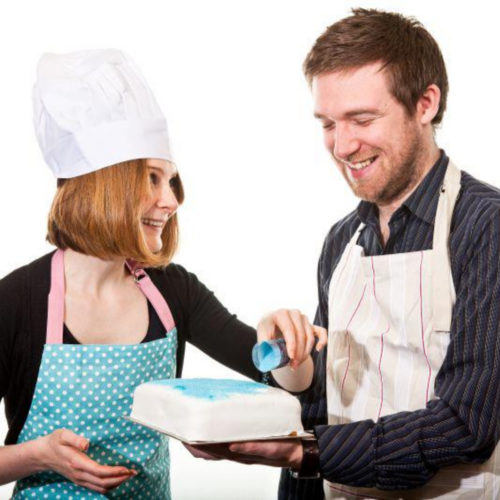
(364, 123)
(328, 126)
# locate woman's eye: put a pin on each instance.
(153, 178)
(173, 182)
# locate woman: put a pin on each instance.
(73, 345)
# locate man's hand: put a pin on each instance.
(286, 453)
(299, 334)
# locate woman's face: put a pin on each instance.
(162, 205)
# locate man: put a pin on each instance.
(409, 287)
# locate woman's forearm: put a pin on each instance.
(297, 380)
(19, 460)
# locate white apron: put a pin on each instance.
(389, 324)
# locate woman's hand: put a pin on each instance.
(300, 335)
(63, 452)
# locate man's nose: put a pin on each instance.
(346, 142)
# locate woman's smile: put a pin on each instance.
(158, 224)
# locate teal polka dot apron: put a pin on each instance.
(88, 389)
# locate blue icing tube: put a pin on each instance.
(270, 355)
(212, 389)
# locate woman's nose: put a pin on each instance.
(167, 198)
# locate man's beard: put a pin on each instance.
(400, 178)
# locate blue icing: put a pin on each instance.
(265, 357)
(212, 389)
(270, 354)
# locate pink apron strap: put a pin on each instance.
(152, 293)
(55, 320)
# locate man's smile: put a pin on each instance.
(359, 165)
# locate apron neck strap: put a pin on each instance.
(55, 319)
(154, 296)
(357, 234)
(443, 289)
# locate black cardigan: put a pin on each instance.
(199, 317)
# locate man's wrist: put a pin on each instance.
(309, 467)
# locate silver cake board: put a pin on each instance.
(302, 435)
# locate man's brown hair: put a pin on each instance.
(100, 213)
(409, 54)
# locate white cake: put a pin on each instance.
(216, 410)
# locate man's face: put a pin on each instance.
(373, 141)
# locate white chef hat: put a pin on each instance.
(93, 109)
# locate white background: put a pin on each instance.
(261, 193)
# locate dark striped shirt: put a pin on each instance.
(404, 450)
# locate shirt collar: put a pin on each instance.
(422, 202)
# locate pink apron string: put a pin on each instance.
(152, 293)
(55, 320)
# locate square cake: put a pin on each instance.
(213, 410)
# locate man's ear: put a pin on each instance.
(428, 104)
